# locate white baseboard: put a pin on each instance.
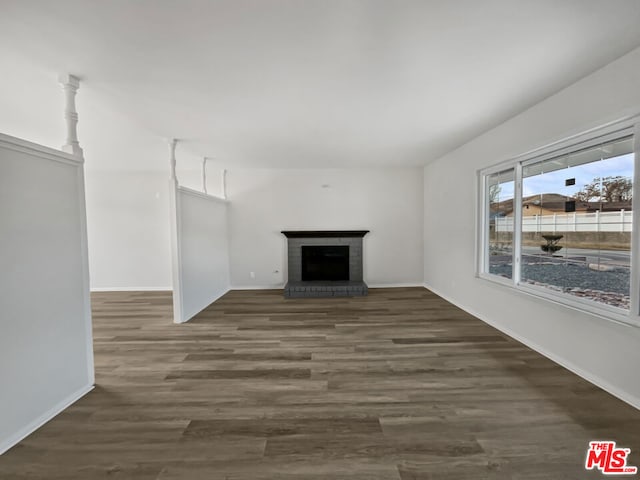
(241, 287)
(257, 287)
(588, 376)
(44, 418)
(280, 287)
(132, 289)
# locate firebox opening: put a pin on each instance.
(325, 262)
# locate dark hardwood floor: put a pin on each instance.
(397, 385)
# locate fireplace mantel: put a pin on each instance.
(324, 233)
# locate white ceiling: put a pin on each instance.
(301, 83)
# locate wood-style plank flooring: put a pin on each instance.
(398, 385)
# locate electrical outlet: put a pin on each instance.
(252, 274)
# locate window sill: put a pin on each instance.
(591, 307)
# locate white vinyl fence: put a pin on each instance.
(571, 222)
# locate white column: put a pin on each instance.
(174, 222)
(224, 183)
(172, 158)
(204, 174)
(70, 85)
(622, 220)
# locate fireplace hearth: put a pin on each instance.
(325, 263)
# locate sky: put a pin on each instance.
(553, 182)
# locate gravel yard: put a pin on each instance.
(610, 287)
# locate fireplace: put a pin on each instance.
(325, 263)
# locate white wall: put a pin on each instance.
(203, 252)
(45, 320)
(127, 176)
(128, 218)
(387, 201)
(602, 351)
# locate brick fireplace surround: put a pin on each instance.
(296, 287)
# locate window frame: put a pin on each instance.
(592, 137)
(483, 265)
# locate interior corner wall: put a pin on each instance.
(128, 225)
(386, 201)
(604, 352)
(203, 251)
(127, 178)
